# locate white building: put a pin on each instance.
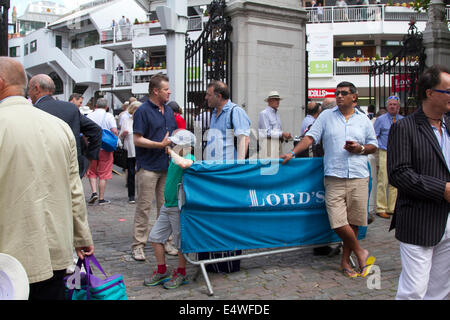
(82, 49)
(342, 40)
(38, 15)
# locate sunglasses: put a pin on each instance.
(441, 91)
(393, 98)
(344, 93)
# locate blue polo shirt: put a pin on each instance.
(149, 122)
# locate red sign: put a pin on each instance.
(400, 82)
(321, 93)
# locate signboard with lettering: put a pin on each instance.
(256, 204)
(321, 93)
(401, 82)
(320, 54)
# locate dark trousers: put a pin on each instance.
(131, 167)
(51, 289)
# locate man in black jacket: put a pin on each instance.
(418, 162)
(40, 90)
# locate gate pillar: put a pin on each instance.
(269, 54)
(436, 36)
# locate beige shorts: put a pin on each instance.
(346, 201)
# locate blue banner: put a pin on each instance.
(255, 205)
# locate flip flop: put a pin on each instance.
(350, 273)
(365, 270)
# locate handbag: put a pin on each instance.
(121, 157)
(109, 139)
(86, 286)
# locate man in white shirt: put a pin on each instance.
(270, 133)
(101, 168)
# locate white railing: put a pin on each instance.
(195, 23)
(356, 67)
(115, 34)
(123, 78)
(379, 12)
(143, 75)
(120, 78)
(119, 33)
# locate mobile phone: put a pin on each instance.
(349, 142)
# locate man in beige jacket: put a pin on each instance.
(42, 207)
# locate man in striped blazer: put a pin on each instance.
(418, 165)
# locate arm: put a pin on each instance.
(140, 141)
(243, 142)
(402, 173)
(305, 143)
(241, 125)
(371, 144)
(93, 133)
(179, 160)
(82, 238)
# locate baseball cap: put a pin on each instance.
(183, 137)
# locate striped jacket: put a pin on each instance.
(417, 168)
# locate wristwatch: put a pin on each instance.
(362, 150)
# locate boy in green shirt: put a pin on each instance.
(169, 218)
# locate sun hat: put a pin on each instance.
(85, 110)
(273, 95)
(183, 138)
(14, 283)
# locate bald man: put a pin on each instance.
(328, 103)
(312, 112)
(42, 207)
(40, 90)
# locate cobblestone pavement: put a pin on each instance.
(286, 276)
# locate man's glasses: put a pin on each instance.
(441, 91)
(344, 93)
(393, 98)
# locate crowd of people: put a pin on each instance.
(48, 146)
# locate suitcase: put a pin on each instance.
(221, 267)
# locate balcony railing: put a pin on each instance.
(379, 12)
(119, 34)
(118, 79)
(358, 68)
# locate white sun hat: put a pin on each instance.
(14, 283)
(183, 138)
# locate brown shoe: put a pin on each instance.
(383, 215)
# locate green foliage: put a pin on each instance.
(421, 5)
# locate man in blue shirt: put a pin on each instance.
(386, 193)
(348, 137)
(220, 138)
(153, 122)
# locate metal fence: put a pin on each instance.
(377, 12)
(399, 75)
(208, 58)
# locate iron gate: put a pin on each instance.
(399, 75)
(208, 58)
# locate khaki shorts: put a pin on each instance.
(168, 223)
(346, 201)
